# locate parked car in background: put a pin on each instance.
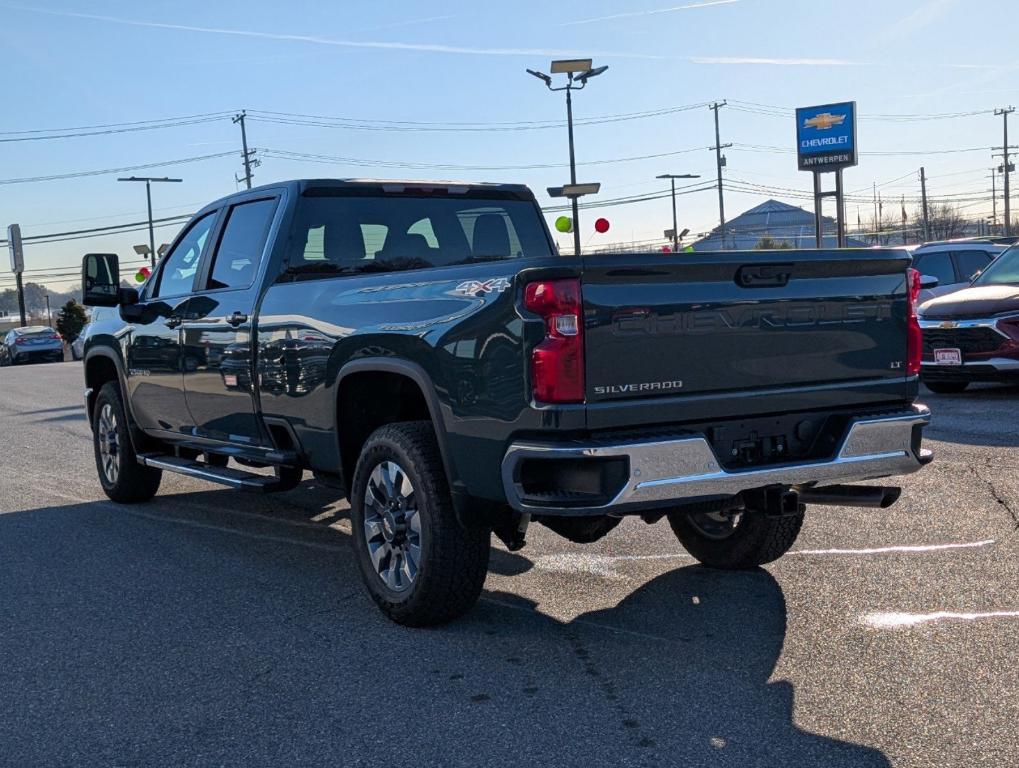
(31, 344)
(954, 262)
(973, 334)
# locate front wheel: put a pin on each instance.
(122, 477)
(419, 564)
(946, 387)
(735, 541)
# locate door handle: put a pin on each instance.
(173, 321)
(237, 318)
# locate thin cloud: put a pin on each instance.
(921, 17)
(315, 40)
(652, 12)
(752, 60)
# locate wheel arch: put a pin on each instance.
(417, 400)
(101, 367)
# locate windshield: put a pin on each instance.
(1004, 270)
(374, 233)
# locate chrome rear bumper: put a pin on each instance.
(684, 468)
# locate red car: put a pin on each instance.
(973, 334)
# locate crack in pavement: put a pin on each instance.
(1000, 498)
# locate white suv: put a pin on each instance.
(954, 262)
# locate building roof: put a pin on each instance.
(780, 221)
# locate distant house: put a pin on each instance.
(778, 221)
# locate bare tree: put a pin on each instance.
(945, 221)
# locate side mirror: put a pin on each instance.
(927, 281)
(100, 280)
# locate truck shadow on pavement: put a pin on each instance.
(172, 633)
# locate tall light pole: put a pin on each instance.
(148, 196)
(675, 224)
(577, 71)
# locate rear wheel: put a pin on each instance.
(946, 387)
(122, 477)
(419, 564)
(735, 540)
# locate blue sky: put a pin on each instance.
(68, 64)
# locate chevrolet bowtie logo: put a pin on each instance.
(824, 121)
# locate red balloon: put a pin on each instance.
(601, 226)
(666, 249)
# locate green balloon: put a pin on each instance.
(564, 224)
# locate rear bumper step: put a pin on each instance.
(664, 471)
(234, 478)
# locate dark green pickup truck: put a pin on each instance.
(423, 348)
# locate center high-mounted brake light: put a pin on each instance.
(557, 363)
(914, 336)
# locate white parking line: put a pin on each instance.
(889, 550)
(897, 620)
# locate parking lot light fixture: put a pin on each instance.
(578, 72)
(675, 226)
(148, 196)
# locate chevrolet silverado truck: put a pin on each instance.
(424, 349)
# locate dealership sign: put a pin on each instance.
(826, 137)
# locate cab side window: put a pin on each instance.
(938, 265)
(177, 275)
(241, 245)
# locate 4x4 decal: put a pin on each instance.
(478, 288)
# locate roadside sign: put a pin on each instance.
(826, 137)
(16, 249)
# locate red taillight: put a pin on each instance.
(557, 363)
(21, 340)
(57, 337)
(914, 336)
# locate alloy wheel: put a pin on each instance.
(392, 526)
(109, 446)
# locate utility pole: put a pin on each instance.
(49, 315)
(720, 162)
(247, 156)
(1004, 153)
(923, 198)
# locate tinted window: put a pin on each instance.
(937, 265)
(1004, 270)
(179, 266)
(380, 233)
(240, 247)
(971, 262)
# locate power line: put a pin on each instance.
(105, 171)
(324, 121)
(284, 154)
(73, 133)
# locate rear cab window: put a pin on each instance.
(241, 245)
(347, 231)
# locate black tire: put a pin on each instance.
(946, 387)
(581, 530)
(453, 560)
(128, 482)
(757, 539)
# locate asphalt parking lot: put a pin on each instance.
(212, 628)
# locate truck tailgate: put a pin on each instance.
(708, 326)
